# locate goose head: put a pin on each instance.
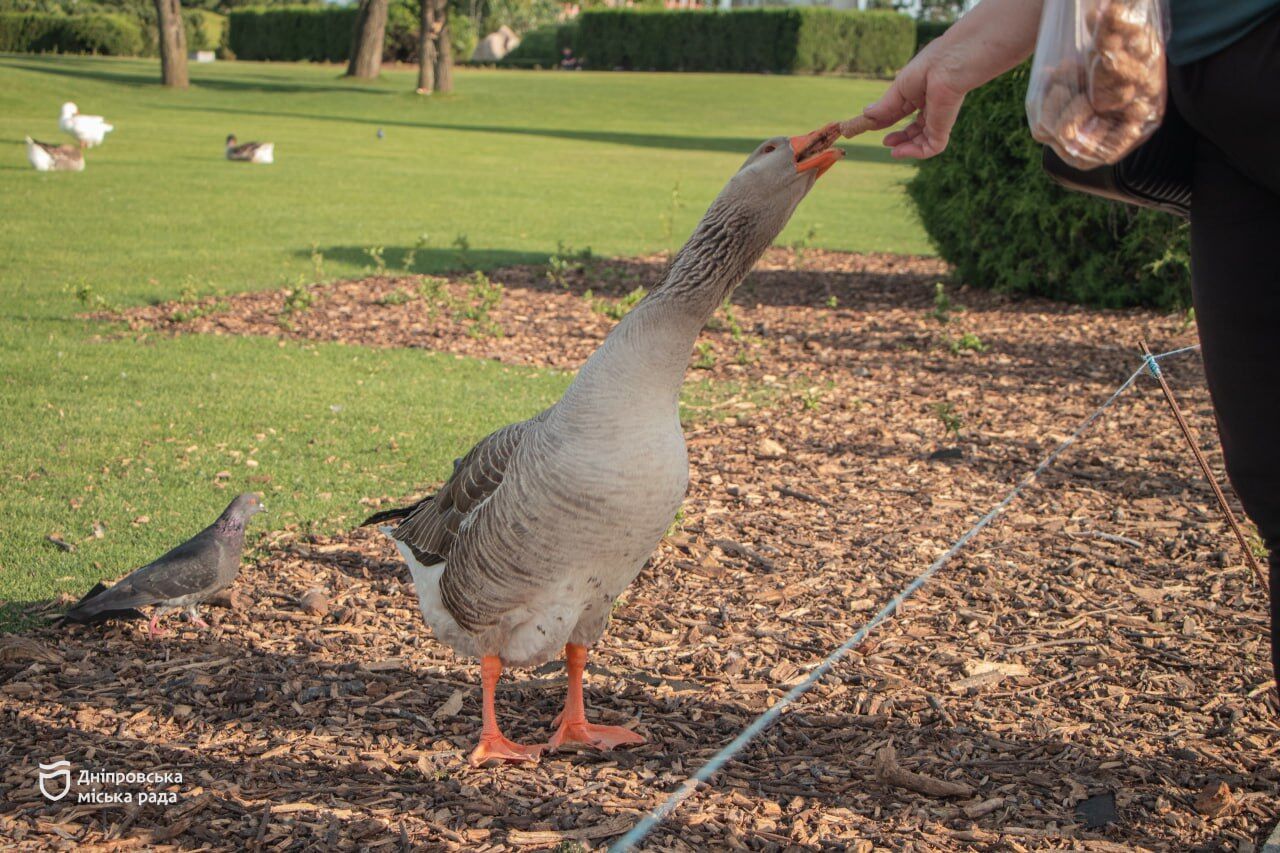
(231, 140)
(778, 175)
(69, 109)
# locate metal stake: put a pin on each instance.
(1208, 473)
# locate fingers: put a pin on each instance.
(929, 134)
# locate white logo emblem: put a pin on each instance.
(56, 770)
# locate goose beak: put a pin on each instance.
(814, 150)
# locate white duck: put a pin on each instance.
(250, 152)
(545, 522)
(88, 130)
(46, 157)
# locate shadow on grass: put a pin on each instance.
(724, 144)
(245, 83)
(406, 259)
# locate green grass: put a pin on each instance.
(517, 161)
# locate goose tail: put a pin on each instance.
(396, 514)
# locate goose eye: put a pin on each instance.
(769, 149)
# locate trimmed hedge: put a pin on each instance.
(991, 212)
(111, 35)
(540, 48)
(927, 31)
(782, 40)
(323, 33)
(292, 33)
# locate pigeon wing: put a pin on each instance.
(189, 569)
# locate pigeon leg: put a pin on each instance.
(194, 618)
(493, 746)
(153, 628)
(573, 725)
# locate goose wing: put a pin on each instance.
(431, 526)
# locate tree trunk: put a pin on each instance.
(367, 40)
(444, 49)
(426, 49)
(173, 44)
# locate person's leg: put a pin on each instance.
(1235, 231)
(1232, 103)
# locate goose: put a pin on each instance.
(46, 157)
(544, 523)
(250, 152)
(88, 130)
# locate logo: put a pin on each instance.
(56, 770)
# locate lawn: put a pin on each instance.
(100, 427)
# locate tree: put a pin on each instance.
(366, 41)
(173, 44)
(435, 52)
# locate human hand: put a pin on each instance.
(929, 87)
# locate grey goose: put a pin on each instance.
(545, 522)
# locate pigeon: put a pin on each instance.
(183, 578)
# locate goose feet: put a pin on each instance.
(572, 725)
(493, 745)
(600, 737)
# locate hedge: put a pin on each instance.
(112, 35)
(540, 48)
(990, 211)
(323, 33)
(783, 40)
(927, 31)
(292, 33)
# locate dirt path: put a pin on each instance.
(1105, 638)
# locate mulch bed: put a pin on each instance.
(1103, 644)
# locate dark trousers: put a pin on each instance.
(1232, 101)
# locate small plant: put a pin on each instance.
(801, 247)
(731, 320)
(431, 289)
(375, 255)
(482, 297)
(942, 306)
(706, 356)
(951, 422)
(968, 342)
(811, 399)
(87, 296)
(463, 245)
(297, 300)
(410, 259)
(317, 263)
(1188, 320)
(615, 309)
(566, 260)
(833, 301)
(668, 216)
(399, 296)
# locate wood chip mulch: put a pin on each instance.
(1090, 673)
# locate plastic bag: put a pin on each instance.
(1098, 80)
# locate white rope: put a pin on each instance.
(646, 825)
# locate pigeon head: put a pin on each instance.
(244, 507)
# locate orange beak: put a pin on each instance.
(814, 150)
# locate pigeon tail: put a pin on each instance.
(97, 606)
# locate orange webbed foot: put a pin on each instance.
(600, 737)
(498, 748)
